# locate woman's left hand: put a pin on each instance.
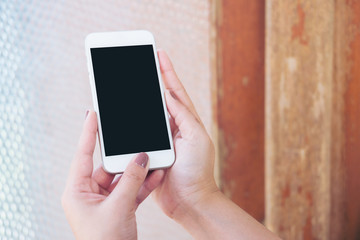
(96, 205)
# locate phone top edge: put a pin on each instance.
(98, 39)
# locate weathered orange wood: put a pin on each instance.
(240, 101)
(299, 93)
(313, 119)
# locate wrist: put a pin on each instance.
(189, 213)
(216, 217)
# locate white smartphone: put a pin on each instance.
(128, 97)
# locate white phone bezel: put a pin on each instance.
(118, 163)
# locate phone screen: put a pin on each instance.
(129, 97)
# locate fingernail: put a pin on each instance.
(86, 114)
(173, 95)
(142, 159)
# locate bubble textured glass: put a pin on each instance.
(45, 92)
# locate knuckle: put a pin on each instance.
(197, 133)
(193, 135)
(205, 141)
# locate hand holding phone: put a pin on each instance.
(187, 192)
(191, 179)
(98, 205)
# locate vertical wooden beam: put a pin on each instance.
(299, 117)
(345, 184)
(313, 112)
(240, 101)
(352, 120)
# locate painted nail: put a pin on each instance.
(86, 114)
(142, 159)
(173, 95)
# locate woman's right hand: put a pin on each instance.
(188, 192)
(191, 178)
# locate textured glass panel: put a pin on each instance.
(44, 93)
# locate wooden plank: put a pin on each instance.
(239, 104)
(345, 188)
(313, 112)
(299, 119)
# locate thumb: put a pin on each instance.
(82, 165)
(132, 179)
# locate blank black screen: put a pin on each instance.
(129, 97)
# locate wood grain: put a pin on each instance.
(312, 119)
(299, 84)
